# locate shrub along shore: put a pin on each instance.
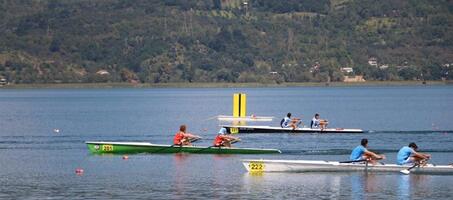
(222, 85)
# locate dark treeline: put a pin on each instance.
(267, 41)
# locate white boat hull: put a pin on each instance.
(273, 129)
(332, 166)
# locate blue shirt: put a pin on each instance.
(358, 152)
(403, 154)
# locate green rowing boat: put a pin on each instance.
(145, 147)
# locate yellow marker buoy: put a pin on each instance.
(239, 105)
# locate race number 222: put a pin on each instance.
(256, 166)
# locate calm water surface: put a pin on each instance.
(37, 163)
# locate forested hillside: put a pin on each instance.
(267, 41)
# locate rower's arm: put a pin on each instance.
(421, 155)
(230, 137)
(191, 135)
(374, 155)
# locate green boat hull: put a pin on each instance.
(142, 147)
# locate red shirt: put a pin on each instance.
(218, 141)
(178, 138)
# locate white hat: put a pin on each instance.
(223, 131)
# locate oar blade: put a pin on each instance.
(405, 171)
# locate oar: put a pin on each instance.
(361, 160)
(163, 148)
(211, 118)
(353, 161)
(422, 163)
(232, 142)
(195, 139)
(407, 171)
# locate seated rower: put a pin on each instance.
(223, 139)
(409, 154)
(182, 138)
(290, 122)
(318, 123)
(361, 153)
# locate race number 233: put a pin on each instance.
(234, 130)
(256, 166)
(107, 147)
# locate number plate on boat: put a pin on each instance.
(256, 166)
(107, 147)
(234, 130)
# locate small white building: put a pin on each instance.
(3, 81)
(372, 61)
(102, 72)
(384, 66)
(273, 73)
(347, 69)
(350, 79)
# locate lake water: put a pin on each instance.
(37, 163)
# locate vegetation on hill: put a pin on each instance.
(266, 41)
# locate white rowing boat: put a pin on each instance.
(333, 166)
(247, 118)
(273, 129)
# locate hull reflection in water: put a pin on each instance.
(348, 185)
(295, 186)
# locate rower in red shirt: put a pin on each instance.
(223, 139)
(184, 139)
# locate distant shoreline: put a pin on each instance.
(220, 85)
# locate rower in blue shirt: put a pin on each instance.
(361, 153)
(409, 155)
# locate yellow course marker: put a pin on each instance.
(239, 105)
